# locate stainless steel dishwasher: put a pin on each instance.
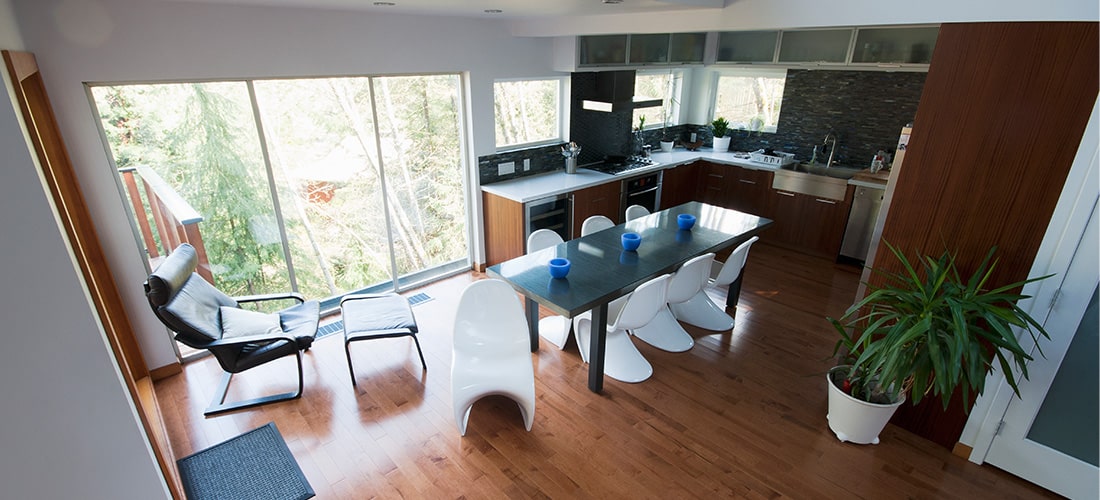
(861, 222)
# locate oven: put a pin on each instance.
(644, 190)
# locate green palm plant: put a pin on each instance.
(928, 335)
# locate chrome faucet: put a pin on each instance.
(832, 148)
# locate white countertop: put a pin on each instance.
(534, 187)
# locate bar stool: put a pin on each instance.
(377, 316)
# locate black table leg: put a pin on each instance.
(734, 291)
(597, 345)
(532, 309)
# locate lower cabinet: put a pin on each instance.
(743, 189)
(680, 184)
(504, 228)
(809, 223)
(596, 200)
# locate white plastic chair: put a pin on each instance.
(664, 332)
(555, 329)
(703, 312)
(636, 212)
(492, 351)
(595, 223)
(622, 361)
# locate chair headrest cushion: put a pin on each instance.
(171, 275)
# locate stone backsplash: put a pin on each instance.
(543, 159)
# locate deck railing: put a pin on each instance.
(176, 220)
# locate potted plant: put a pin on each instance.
(720, 127)
(923, 334)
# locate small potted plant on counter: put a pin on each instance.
(923, 336)
(720, 127)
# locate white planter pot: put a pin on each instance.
(666, 146)
(853, 420)
(721, 144)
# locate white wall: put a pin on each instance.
(67, 427)
(778, 14)
(141, 40)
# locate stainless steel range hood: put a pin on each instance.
(614, 91)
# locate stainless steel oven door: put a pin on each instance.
(644, 190)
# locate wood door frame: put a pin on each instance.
(79, 228)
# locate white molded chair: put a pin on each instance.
(703, 312)
(492, 351)
(636, 212)
(595, 223)
(664, 332)
(622, 361)
(555, 329)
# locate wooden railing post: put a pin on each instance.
(176, 220)
(139, 212)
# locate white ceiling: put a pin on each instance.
(510, 9)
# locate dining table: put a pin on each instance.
(601, 270)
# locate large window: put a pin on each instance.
(666, 85)
(750, 99)
(528, 112)
(322, 186)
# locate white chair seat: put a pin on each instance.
(700, 310)
(492, 351)
(595, 223)
(622, 360)
(555, 329)
(663, 331)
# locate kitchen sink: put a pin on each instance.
(815, 169)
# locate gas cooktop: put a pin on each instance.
(621, 165)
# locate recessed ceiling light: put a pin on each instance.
(493, 11)
(384, 4)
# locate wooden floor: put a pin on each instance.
(740, 415)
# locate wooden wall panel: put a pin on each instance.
(1000, 120)
(504, 234)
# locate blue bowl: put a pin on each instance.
(685, 221)
(558, 267)
(631, 241)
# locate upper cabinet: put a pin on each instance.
(894, 46)
(747, 46)
(641, 49)
(815, 46)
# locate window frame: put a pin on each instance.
(676, 101)
(563, 114)
(774, 72)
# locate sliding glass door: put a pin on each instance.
(324, 186)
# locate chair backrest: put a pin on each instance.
(489, 322)
(689, 279)
(732, 268)
(636, 212)
(642, 305)
(595, 223)
(184, 301)
(542, 238)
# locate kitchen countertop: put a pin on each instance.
(526, 189)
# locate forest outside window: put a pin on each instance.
(528, 112)
(750, 99)
(666, 85)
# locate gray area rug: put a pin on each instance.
(257, 464)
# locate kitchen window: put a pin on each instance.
(665, 84)
(528, 112)
(750, 99)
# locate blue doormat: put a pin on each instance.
(338, 325)
(255, 465)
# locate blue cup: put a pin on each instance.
(631, 241)
(558, 267)
(685, 221)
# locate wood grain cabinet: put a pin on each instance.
(737, 188)
(812, 224)
(680, 185)
(596, 200)
(504, 231)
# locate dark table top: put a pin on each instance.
(602, 271)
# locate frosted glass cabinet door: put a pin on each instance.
(895, 45)
(603, 50)
(747, 46)
(687, 47)
(649, 49)
(822, 46)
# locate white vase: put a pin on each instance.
(666, 146)
(721, 144)
(853, 420)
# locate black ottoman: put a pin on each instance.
(377, 316)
